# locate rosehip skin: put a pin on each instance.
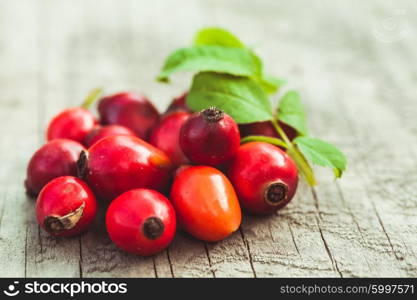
(266, 129)
(210, 137)
(264, 176)
(100, 132)
(73, 123)
(141, 221)
(54, 159)
(120, 163)
(165, 136)
(66, 206)
(178, 104)
(206, 203)
(131, 110)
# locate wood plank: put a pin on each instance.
(104, 46)
(189, 257)
(347, 217)
(359, 185)
(18, 111)
(224, 259)
(48, 256)
(289, 243)
(163, 266)
(333, 220)
(230, 257)
(353, 73)
(102, 258)
(394, 212)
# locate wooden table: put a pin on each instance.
(354, 64)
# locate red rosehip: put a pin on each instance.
(120, 163)
(205, 202)
(178, 104)
(73, 123)
(266, 129)
(209, 137)
(264, 176)
(100, 132)
(141, 221)
(66, 206)
(133, 111)
(165, 136)
(54, 159)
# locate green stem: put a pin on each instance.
(281, 132)
(259, 138)
(92, 97)
(301, 162)
(303, 165)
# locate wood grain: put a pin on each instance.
(354, 65)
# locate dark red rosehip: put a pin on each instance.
(178, 104)
(133, 111)
(266, 129)
(165, 136)
(100, 132)
(141, 221)
(264, 176)
(66, 206)
(120, 163)
(210, 137)
(54, 159)
(73, 123)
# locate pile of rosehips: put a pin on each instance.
(152, 170)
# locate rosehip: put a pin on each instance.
(178, 104)
(266, 129)
(54, 159)
(165, 136)
(133, 111)
(206, 203)
(66, 206)
(141, 221)
(264, 176)
(209, 137)
(120, 163)
(100, 132)
(73, 123)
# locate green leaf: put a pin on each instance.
(240, 97)
(233, 61)
(215, 36)
(291, 112)
(271, 84)
(322, 153)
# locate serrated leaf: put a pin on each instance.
(240, 97)
(216, 36)
(291, 112)
(233, 61)
(322, 153)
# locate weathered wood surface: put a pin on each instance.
(353, 62)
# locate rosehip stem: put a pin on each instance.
(92, 97)
(301, 162)
(259, 138)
